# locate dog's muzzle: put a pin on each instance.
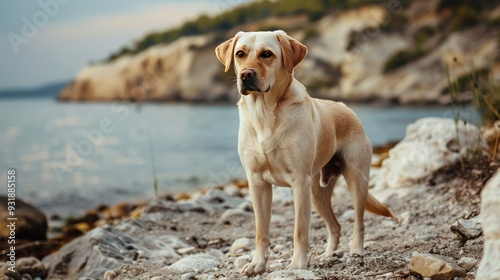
(249, 82)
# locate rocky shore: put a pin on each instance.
(209, 234)
(393, 53)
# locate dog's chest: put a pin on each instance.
(265, 153)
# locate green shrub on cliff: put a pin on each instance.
(401, 58)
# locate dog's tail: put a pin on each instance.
(377, 207)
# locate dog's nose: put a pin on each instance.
(247, 75)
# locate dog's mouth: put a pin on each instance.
(246, 89)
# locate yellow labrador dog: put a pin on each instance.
(287, 138)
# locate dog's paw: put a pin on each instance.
(253, 268)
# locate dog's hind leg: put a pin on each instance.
(356, 171)
(322, 201)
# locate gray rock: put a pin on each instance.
(8, 275)
(189, 276)
(235, 217)
(187, 250)
(31, 266)
(435, 267)
(467, 229)
(195, 263)
(489, 268)
(467, 263)
(242, 260)
(106, 248)
(299, 274)
(31, 223)
(241, 245)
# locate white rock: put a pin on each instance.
(188, 276)
(291, 275)
(278, 219)
(489, 268)
(230, 215)
(282, 195)
(242, 260)
(348, 215)
(187, 250)
(232, 190)
(429, 144)
(195, 263)
(241, 245)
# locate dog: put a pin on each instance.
(287, 138)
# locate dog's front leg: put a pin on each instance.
(302, 205)
(261, 193)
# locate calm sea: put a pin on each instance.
(73, 157)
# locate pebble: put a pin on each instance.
(242, 260)
(435, 267)
(241, 245)
(231, 216)
(189, 276)
(187, 250)
(299, 274)
(467, 229)
(195, 263)
(246, 206)
(348, 215)
(467, 263)
(109, 275)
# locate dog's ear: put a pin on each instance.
(225, 52)
(292, 51)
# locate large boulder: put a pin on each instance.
(490, 207)
(429, 145)
(31, 223)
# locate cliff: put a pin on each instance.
(387, 53)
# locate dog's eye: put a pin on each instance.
(266, 54)
(239, 54)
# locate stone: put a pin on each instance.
(241, 245)
(489, 268)
(107, 247)
(429, 145)
(242, 260)
(31, 223)
(31, 266)
(109, 275)
(298, 274)
(435, 267)
(195, 263)
(467, 229)
(189, 276)
(467, 263)
(235, 217)
(187, 250)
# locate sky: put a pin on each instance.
(47, 41)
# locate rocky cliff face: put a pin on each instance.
(349, 53)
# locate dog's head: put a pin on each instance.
(260, 58)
